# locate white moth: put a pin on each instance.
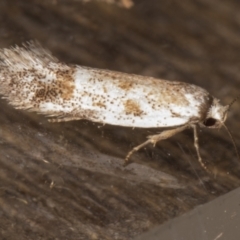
(32, 79)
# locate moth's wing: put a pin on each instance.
(32, 79)
(138, 101)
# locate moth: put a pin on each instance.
(32, 79)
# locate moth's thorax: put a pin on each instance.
(216, 115)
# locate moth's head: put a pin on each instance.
(216, 115)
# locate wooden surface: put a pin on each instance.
(66, 180)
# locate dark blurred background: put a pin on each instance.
(66, 180)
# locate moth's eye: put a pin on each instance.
(209, 122)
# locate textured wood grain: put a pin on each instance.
(66, 180)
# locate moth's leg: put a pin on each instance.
(196, 145)
(135, 149)
(154, 139)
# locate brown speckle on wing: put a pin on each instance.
(125, 85)
(62, 87)
(132, 107)
(99, 104)
(65, 82)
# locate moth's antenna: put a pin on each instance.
(233, 141)
(231, 103)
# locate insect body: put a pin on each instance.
(32, 79)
